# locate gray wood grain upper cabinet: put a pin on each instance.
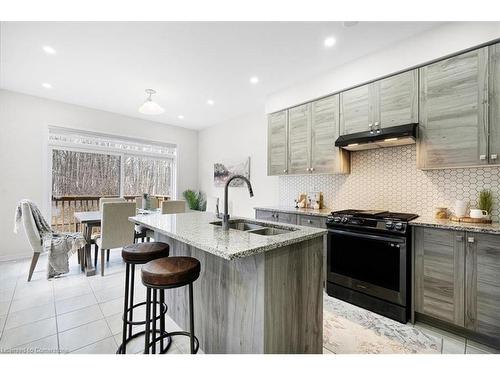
(355, 109)
(387, 102)
(299, 136)
(439, 274)
(494, 104)
(397, 100)
(454, 112)
(482, 313)
(277, 151)
(325, 157)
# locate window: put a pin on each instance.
(87, 166)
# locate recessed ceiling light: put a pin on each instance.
(180, 117)
(47, 85)
(210, 102)
(254, 80)
(49, 50)
(329, 42)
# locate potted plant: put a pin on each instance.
(195, 200)
(485, 201)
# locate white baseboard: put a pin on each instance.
(17, 256)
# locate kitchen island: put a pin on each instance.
(259, 290)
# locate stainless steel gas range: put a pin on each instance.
(369, 260)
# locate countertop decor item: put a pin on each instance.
(195, 199)
(467, 219)
(441, 213)
(485, 200)
(460, 208)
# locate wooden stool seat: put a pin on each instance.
(171, 271)
(145, 252)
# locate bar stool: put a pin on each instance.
(168, 273)
(139, 253)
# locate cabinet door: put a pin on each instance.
(356, 109)
(325, 157)
(265, 215)
(397, 99)
(299, 124)
(494, 103)
(439, 274)
(277, 144)
(482, 312)
(453, 112)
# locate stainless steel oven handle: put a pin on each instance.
(368, 236)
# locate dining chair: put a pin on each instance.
(116, 230)
(33, 236)
(213, 205)
(173, 207)
(107, 200)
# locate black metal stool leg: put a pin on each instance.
(162, 319)
(125, 307)
(132, 288)
(148, 320)
(153, 331)
(191, 317)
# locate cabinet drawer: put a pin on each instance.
(286, 218)
(265, 215)
(311, 221)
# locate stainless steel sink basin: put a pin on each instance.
(250, 227)
(240, 225)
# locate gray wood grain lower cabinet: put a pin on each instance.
(277, 143)
(265, 215)
(311, 221)
(483, 284)
(439, 274)
(299, 124)
(280, 217)
(454, 112)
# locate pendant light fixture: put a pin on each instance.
(149, 107)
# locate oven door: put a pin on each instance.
(369, 263)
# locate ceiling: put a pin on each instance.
(108, 65)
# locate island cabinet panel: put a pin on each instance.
(439, 274)
(299, 149)
(454, 112)
(277, 143)
(356, 110)
(482, 313)
(494, 104)
(397, 99)
(325, 129)
(269, 302)
(294, 321)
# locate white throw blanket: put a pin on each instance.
(60, 246)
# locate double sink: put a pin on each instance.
(251, 227)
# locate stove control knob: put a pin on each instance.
(389, 224)
(345, 220)
(399, 226)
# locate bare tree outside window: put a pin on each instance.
(147, 175)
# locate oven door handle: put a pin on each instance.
(368, 236)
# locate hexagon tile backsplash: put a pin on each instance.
(388, 179)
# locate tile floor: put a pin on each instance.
(78, 314)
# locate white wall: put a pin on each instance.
(430, 45)
(232, 140)
(24, 122)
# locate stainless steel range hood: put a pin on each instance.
(385, 137)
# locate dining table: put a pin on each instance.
(87, 221)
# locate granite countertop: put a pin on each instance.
(194, 228)
(301, 211)
(453, 225)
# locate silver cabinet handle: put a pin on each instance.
(377, 123)
(285, 170)
(460, 238)
(493, 156)
(312, 169)
(370, 125)
(470, 239)
(309, 221)
(482, 157)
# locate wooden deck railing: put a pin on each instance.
(63, 209)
